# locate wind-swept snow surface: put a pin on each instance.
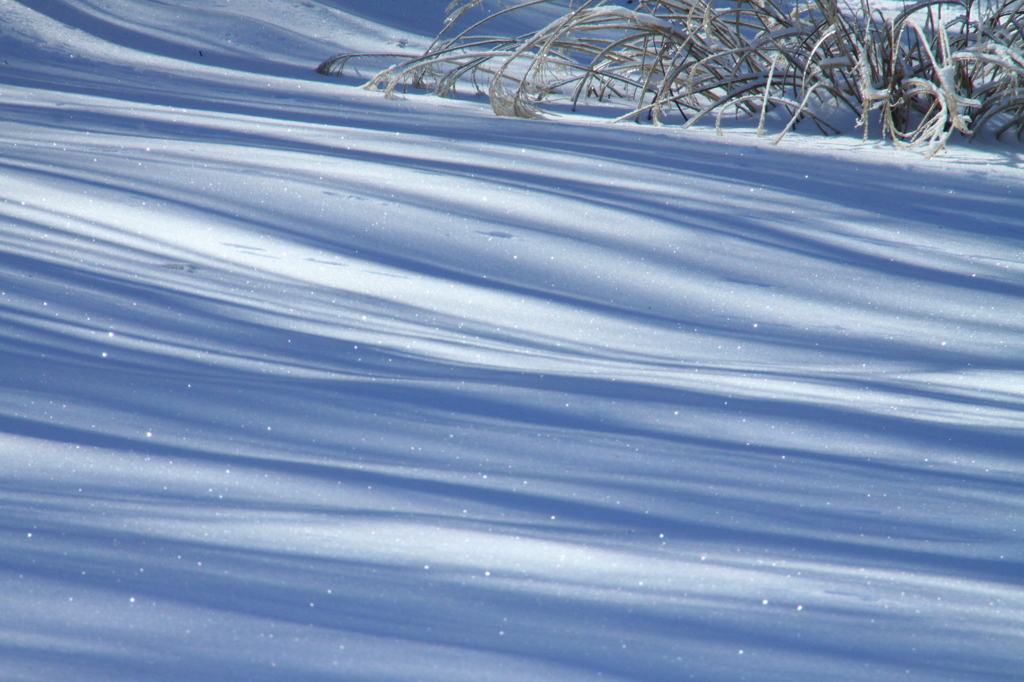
(297, 383)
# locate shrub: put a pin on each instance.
(919, 74)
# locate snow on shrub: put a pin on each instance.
(932, 69)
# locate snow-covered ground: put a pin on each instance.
(298, 383)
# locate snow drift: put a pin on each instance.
(300, 383)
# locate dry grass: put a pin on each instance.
(934, 69)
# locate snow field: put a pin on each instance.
(300, 383)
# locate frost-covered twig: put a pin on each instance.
(924, 78)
